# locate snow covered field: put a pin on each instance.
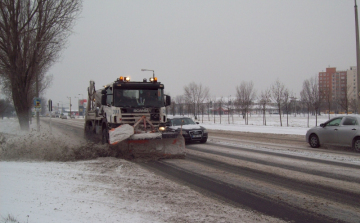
(112, 190)
(297, 124)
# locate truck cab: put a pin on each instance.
(125, 102)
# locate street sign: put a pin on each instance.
(37, 102)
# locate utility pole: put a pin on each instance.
(70, 106)
(357, 58)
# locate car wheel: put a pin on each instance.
(105, 136)
(314, 141)
(356, 145)
(203, 140)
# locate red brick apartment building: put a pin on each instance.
(333, 85)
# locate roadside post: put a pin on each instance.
(50, 110)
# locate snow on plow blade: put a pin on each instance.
(146, 144)
(164, 147)
(169, 146)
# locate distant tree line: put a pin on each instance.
(196, 101)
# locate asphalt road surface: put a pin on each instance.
(277, 175)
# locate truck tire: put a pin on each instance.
(88, 130)
(105, 136)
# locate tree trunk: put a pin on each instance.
(308, 118)
(280, 114)
(21, 107)
(287, 119)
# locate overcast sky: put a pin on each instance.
(216, 43)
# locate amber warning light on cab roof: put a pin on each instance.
(127, 79)
(153, 79)
(124, 79)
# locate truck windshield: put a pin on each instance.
(138, 98)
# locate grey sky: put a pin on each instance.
(216, 43)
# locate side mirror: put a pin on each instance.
(103, 99)
(322, 125)
(197, 122)
(167, 100)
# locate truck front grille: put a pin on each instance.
(131, 118)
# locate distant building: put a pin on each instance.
(332, 84)
(336, 87)
(352, 83)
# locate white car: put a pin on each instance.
(340, 131)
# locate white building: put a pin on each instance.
(352, 82)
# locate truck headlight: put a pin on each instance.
(161, 128)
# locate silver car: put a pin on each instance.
(341, 131)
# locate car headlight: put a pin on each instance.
(161, 128)
(205, 131)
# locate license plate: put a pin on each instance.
(196, 136)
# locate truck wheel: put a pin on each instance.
(88, 130)
(105, 136)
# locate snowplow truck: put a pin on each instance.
(130, 116)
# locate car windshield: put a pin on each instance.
(182, 121)
(138, 98)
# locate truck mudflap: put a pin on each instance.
(169, 146)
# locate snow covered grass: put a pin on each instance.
(9, 219)
(298, 125)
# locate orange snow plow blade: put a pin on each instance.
(168, 146)
(139, 144)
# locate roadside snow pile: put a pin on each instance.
(46, 145)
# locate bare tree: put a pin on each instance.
(220, 106)
(202, 108)
(286, 104)
(245, 96)
(173, 107)
(353, 105)
(277, 94)
(180, 101)
(214, 105)
(345, 99)
(315, 97)
(306, 99)
(209, 104)
(195, 94)
(32, 34)
(325, 95)
(264, 100)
